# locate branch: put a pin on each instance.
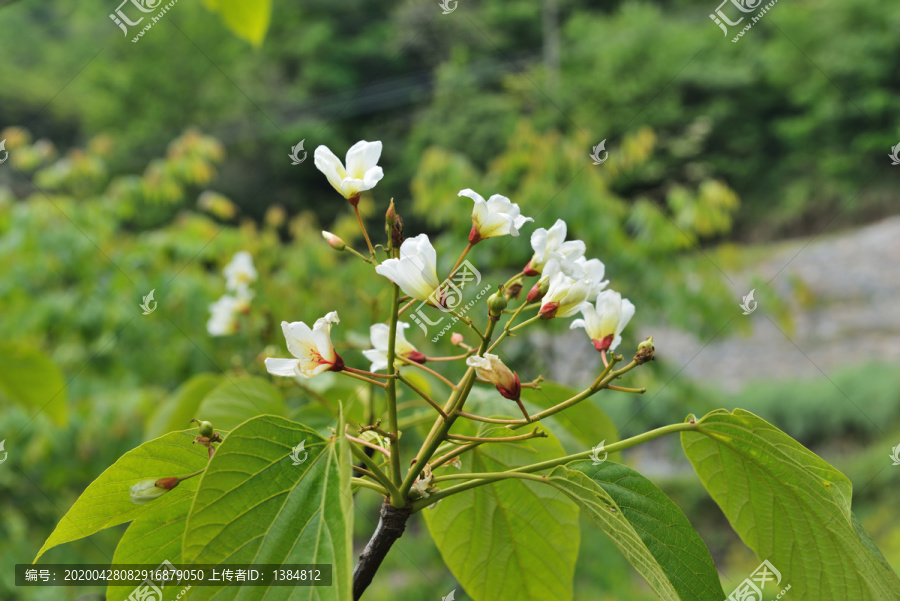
(391, 525)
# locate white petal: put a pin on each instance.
(299, 339)
(361, 157)
(377, 357)
(379, 334)
(331, 166)
(280, 367)
(478, 198)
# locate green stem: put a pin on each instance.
(442, 425)
(376, 471)
(363, 378)
(366, 484)
(506, 327)
(365, 233)
(537, 467)
(461, 257)
(422, 394)
(391, 390)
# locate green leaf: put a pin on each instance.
(255, 506)
(512, 540)
(662, 527)
(777, 495)
(238, 399)
(152, 538)
(604, 510)
(29, 377)
(248, 20)
(106, 501)
(176, 412)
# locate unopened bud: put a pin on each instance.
(548, 310)
(530, 271)
(146, 490)
(538, 291)
(644, 352)
(496, 304)
(416, 357)
(206, 428)
(513, 291)
(333, 241)
(456, 339)
(393, 226)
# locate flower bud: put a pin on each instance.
(333, 241)
(456, 339)
(206, 428)
(491, 369)
(393, 226)
(146, 490)
(530, 271)
(496, 304)
(538, 291)
(644, 352)
(513, 291)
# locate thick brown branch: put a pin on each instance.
(390, 527)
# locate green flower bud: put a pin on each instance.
(496, 304)
(333, 241)
(644, 352)
(152, 488)
(206, 428)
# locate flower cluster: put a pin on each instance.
(239, 274)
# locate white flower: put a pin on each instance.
(496, 217)
(564, 296)
(551, 244)
(491, 369)
(146, 490)
(223, 315)
(416, 269)
(605, 321)
(380, 334)
(312, 349)
(361, 174)
(593, 270)
(240, 273)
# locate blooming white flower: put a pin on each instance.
(152, 488)
(593, 270)
(312, 349)
(496, 217)
(240, 273)
(605, 321)
(416, 269)
(550, 244)
(564, 296)
(361, 174)
(380, 334)
(223, 315)
(491, 368)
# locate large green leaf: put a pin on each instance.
(152, 538)
(789, 506)
(29, 377)
(238, 399)
(255, 506)
(176, 412)
(248, 20)
(106, 501)
(662, 527)
(513, 540)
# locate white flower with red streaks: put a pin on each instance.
(605, 321)
(312, 349)
(491, 369)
